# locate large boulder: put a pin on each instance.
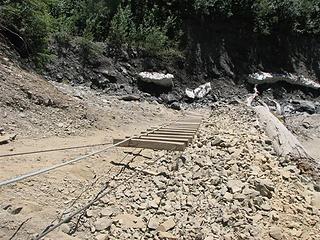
(159, 79)
(268, 78)
(155, 83)
(199, 92)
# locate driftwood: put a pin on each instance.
(283, 141)
(253, 96)
(278, 106)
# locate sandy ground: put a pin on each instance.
(313, 147)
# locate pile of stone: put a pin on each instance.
(228, 185)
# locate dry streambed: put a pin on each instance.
(228, 185)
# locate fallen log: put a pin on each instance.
(283, 141)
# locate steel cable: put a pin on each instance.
(78, 159)
(53, 150)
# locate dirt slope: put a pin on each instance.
(32, 106)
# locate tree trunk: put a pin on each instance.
(284, 142)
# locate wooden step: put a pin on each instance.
(170, 136)
(152, 144)
(176, 130)
(185, 125)
(182, 126)
(157, 138)
(174, 137)
(173, 133)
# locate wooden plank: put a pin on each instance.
(152, 144)
(181, 128)
(173, 133)
(193, 131)
(185, 125)
(176, 130)
(171, 136)
(157, 138)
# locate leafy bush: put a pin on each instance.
(296, 16)
(31, 20)
(149, 34)
(148, 24)
(267, 16)
(122, 28)
(88, 49)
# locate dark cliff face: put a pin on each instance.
(232, 49)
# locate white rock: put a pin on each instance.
(167, 225)
(263, 77)
(235, 185)
(160, 79)
(103, 223)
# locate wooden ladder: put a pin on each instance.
(175, 137)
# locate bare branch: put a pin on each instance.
(18, 229)
(17, 35)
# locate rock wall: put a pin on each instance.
(220, 49)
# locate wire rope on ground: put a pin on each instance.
(78, 159)
(53, 150)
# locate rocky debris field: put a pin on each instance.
(228, 184)
(307, 128)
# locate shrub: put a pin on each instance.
(88, 49)
(149, 34)
(31, 20)
(122, 28)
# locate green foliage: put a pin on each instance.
(31, 20)
(122, 28)
(297, 16)
(153, 25)
(150, 34)
(88, 49)
(222, 7)
(267, 16)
